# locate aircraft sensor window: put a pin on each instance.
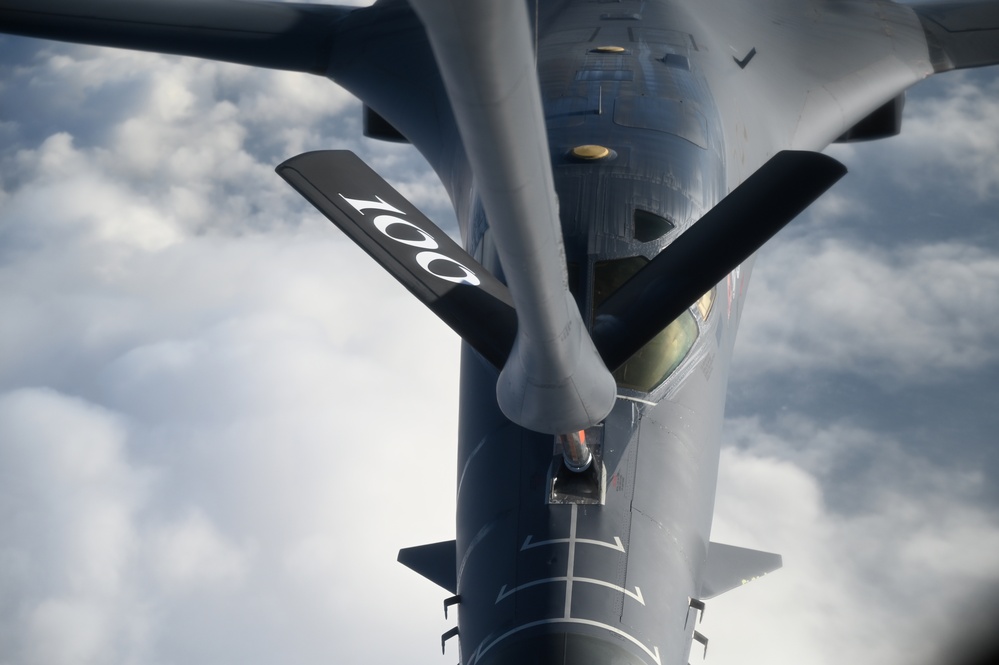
(654, 362)
(704, 304)
(649, 226)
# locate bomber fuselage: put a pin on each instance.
(554, 566)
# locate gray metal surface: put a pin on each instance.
(715, 246)
(554, 380)
(689, 99)
(960, 34)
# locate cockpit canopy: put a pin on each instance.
(657, 360)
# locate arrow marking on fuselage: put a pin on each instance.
(571, 563)
(616, 545)
(636, 594)
(569, 578)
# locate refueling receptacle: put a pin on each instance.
(577, 472)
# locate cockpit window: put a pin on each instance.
(609, 276)
(650, 226)
(655, 361)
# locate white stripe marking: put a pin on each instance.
(637, 399)
(572, 562)
(616, 545)
(481, 651)
(636, 594)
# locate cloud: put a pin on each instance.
(861, 428)
(906, 313)
(260, 416)
(219, 420)
(956, 135)
(68, 502)
(872, 578)
(949, 138)
(891, 276)
(85, 205)
(266, 440)
(192, 552)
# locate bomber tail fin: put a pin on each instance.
(436, 561)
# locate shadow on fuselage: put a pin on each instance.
(561, 649)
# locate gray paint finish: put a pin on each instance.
(554, 380)
(579, 582)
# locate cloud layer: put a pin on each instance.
(861, 428)
(216, 428)
(219, 421)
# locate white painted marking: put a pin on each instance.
(636, 594)
(481, 650)
(471, 546)
(384, 222)
(468, 461)
(427, 242)
(571, 563)
(503, 593)
(569, 580)
(637, 399)
(529, 543)
(427, 258)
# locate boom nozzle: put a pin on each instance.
(575, 452)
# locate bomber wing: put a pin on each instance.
(816, 68)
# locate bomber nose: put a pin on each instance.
(561, 649)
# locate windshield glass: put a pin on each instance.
(655, 361)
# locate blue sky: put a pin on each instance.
(219, 420)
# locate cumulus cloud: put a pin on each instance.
(219, 420)
(906, 313)
(279, 425)
(893, 274)
(955, 135)
(191, 552)
(950, 135)
(68, 503)
(862, 381)
(874, 577)
(236, 433)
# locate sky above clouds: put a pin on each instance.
(219, 420)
